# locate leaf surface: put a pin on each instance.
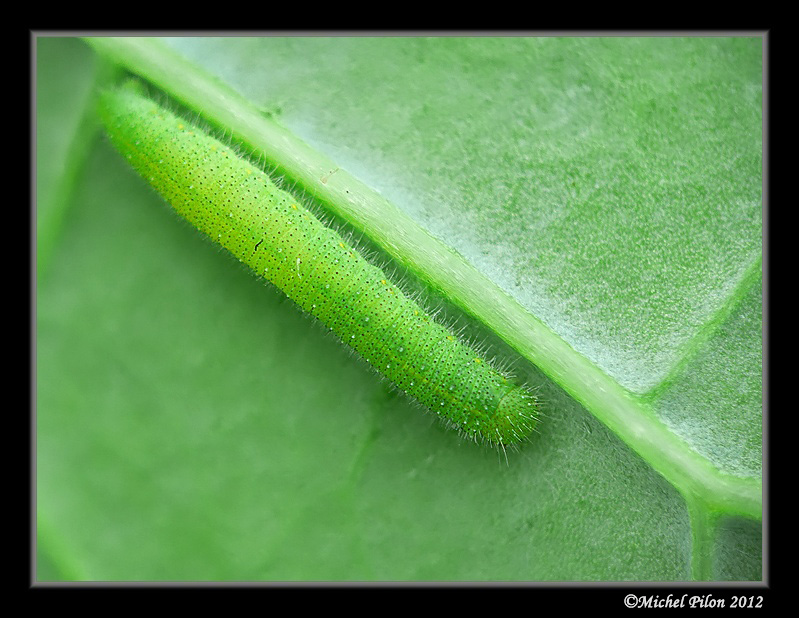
(596, 206)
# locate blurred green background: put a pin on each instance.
(193, 425)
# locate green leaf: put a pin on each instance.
(589, 208)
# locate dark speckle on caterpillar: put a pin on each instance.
(238, 206)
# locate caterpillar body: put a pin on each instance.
(238, 206)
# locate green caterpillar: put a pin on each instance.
(239, 206)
